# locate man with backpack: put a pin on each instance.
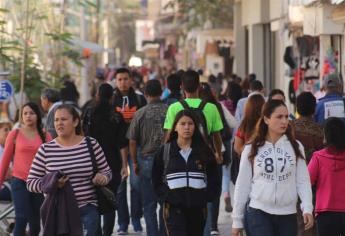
(210, 122)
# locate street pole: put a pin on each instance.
(84, 91)
(23, 72)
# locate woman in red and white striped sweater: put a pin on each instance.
(69, 153)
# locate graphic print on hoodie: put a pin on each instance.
(274, 181)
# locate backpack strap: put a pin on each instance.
(202, 105)
(92, 155)
(184, 104)
(166, 158)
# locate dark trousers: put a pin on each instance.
(109, 218)
(260, 223)
(331, 223)
(26, 207)
(181, 221)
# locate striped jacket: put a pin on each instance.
(186, 184)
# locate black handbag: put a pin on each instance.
(106, 198)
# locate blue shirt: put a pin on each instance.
(331, 105)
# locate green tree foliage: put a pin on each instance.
(217, 12)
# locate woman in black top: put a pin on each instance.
(184, 178)
(109, 129)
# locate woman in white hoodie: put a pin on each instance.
(273, 174)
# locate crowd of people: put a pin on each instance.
(180, 143)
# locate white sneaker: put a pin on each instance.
(214, 232)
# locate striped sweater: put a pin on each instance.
(75, 162)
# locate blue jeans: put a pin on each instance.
(5, 194)
(148, 196)
(260, 223)
(213, 209)
(90, 219)
(26, 207)
(136, 205)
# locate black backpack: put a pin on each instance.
(199, 115)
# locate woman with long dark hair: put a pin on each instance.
(273, 174)
(20, 147)
(327, 173)
(184, 177)
(108, 127)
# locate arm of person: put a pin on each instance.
(217, 139)
(104, 173)
(313, 169)
(242, 189)
(133, 152)
(304, 190)
(160, 188)
(238, 145)
(124, 161)
(7, 156)
(230, 119)
(37, 172)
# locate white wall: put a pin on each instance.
(240, 41)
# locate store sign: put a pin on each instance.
(6, 90)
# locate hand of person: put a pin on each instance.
(236, 232)
(308, 221)
(124, 172)
(136, 169)
(62, 181)
(100, 179)
(219, 158)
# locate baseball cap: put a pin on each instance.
(331, 81)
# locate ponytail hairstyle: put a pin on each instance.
(261, 130)
(33, 106)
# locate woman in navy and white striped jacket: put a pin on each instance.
(184, 176)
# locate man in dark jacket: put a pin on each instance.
(127, 102)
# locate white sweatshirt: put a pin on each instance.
(276, 182)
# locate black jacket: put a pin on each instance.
(128, 105)
(190, 184)
(59, 212)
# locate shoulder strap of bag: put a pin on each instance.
(92, 154)
(184, 104)
(166, 157)
(202, 105)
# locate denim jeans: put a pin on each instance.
(109, 218)
(330, 223)
(5, 194)
(147, 194)
(90, 219)
(26, 207)
(136, 205)
(260, 223)
(213, 209)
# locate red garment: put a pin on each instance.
(240, 135)
(327, 173)
(25, 151)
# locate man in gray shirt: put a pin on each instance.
(146, 131)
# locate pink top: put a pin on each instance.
(327, 173)
(24, 154)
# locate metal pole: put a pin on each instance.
(23, 66)
(84, 78)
